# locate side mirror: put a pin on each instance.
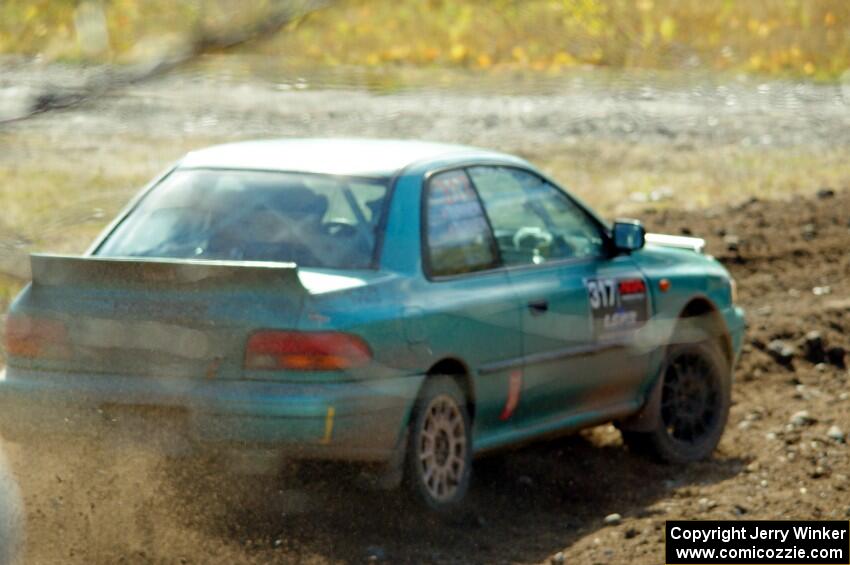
(629, 235)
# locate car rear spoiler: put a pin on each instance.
(140, 272)
(696, 244)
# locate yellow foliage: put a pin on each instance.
(667, 28)
(484, 61)
(398, 53)
(373, 59)
(429, 54)
(30, 13)
(795, 37)
(564, 59)
(458, 52)
(644, 5)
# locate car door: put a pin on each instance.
(621, 309)
(556, 257)
(473, 311)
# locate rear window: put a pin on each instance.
(312, 220)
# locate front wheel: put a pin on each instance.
(439, 452)
(693, 407)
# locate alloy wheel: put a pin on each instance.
(442, 448)
(691, 400)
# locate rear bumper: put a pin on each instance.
(356, 420)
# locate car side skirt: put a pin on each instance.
(555, 427)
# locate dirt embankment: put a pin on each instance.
(782, 456)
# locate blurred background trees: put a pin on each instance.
(796, 38)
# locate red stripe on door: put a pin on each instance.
(514, 392)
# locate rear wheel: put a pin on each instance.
(439, 452)
(693, 408)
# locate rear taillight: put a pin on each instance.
(305, 351)
(41, 338)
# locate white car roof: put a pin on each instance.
(350, 157)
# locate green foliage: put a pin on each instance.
(785, 37)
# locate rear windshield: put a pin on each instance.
(312, 220)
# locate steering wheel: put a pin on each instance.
(340, 227)
(540, 237)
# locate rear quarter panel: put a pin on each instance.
(413, 322)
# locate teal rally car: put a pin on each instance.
(396, 302)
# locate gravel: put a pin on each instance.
(706, 109)
(835, 433)
(836, 356)
(813, 347)
(801, 419)
(781, 351)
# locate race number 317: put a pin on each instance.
(617, 304)
(602, 293)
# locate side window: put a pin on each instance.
(458, 236)
(534, 222)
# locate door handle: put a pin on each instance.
(538, 307)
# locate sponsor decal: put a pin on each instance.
(617, 305)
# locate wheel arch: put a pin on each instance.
(458, 370)
(452, 367)
(702, 314)
(698, 316)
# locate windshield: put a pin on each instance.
(311, 220)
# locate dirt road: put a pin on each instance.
(104, 504)
(514, 112)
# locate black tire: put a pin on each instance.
(693, 407)
(439, 481)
